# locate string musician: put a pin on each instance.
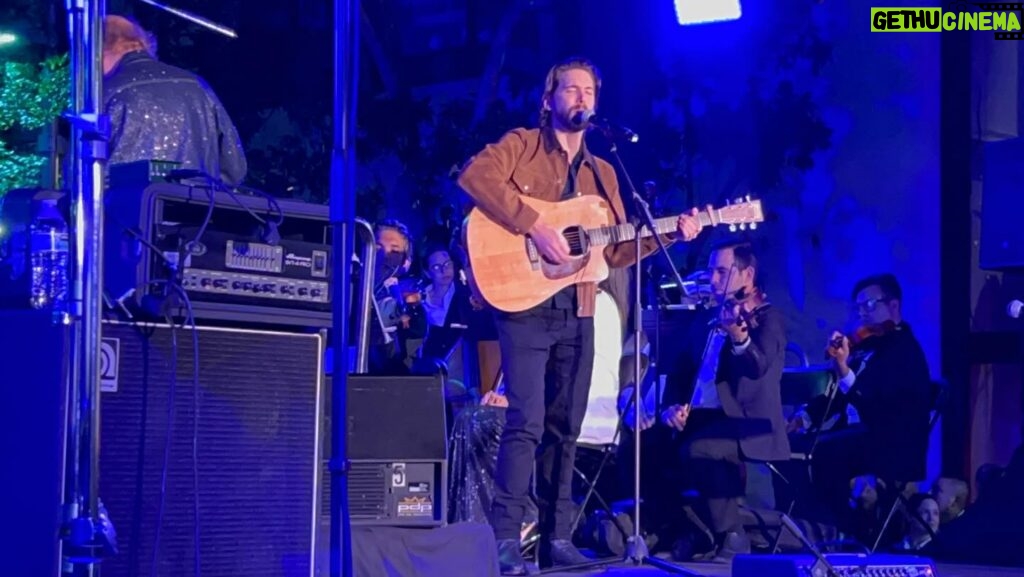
(724, 399)
(875, 420)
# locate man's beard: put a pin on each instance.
(564, 120)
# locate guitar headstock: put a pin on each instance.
(741, 214)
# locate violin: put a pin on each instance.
(863, 333)
(746, 318)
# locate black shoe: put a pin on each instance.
(560, 553)
(732, 545)
(510, 559)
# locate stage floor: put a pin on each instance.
(724, 570)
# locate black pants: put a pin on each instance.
(547, 355)
(711, 454)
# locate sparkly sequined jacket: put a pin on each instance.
(160, 112)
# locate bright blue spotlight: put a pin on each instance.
(704, 11)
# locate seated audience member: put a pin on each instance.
(951, 495)
(922, 521)
(866, 515)
(987, 479)
(877, 421)
(724, 400)
(990, 531)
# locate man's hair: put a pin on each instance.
(915, 501)
(959, 488)
(125, 35)
(434, 247)
(743, 254)
(400, 228)
(887, 282)
(551, 83)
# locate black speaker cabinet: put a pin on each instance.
(32, 442)
(215, 464)
(397, 448)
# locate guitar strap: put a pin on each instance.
(600, 185)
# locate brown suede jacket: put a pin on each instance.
(531, 162)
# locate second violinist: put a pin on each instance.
(875, 422)
(723, 401)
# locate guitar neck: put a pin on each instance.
(626, 232)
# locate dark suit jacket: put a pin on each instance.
(893, 396)
(748, 384)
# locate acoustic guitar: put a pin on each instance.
(511, 275)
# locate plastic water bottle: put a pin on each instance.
(49, 259)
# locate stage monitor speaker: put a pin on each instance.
(397, 449)
(845, 565)
(252, 418)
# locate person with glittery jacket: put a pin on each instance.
(161, 112)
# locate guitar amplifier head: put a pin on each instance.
(241, 258)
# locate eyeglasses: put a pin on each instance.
(442, 266)
(869, 305)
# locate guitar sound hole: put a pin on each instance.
(577, 239)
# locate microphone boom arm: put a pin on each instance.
(193, 18)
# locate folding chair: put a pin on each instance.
(799, 384)
(610, 448)
(940, 397)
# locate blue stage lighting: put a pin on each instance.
(704, 11)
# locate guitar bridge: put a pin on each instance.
(532, 254)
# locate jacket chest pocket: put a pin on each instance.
(531, 182)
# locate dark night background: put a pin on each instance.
(836, 128)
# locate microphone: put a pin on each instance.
(588, 116)
(1014, 309)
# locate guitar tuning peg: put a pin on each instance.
(753, 226)
(732, 228)
(728, 201)
(748, 198)
(743, 226)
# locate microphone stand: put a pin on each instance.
(87, 534)
(345, 227)
(636, 548)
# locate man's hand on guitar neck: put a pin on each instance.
(687, 226)
(550, 242)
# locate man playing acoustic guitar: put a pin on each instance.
(547, 350)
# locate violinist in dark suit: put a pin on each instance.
(876, 421)
(724, 398)
(451, 312)
(397, 299)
